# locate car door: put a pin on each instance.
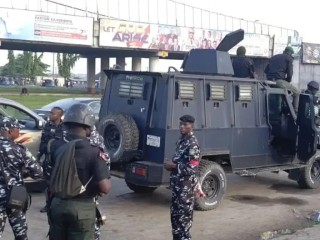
(30, 132)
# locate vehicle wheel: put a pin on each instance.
(213, 183)
(140, 189)
(120, 134)
(310, 175)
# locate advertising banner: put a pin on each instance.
(255, 44)
(115, 33)
(45, 27)
(124, 34)
(311, 53)
(281, 42)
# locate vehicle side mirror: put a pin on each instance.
(40, 124)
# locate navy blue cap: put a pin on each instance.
(187, 119)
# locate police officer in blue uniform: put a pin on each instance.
(14, 157)
(74, 219)
(183, 179)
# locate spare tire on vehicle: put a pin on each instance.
(121, 135)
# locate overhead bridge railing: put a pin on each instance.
(168, 12)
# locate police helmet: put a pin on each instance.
(289, 50)
(313, 85)
(80, 113)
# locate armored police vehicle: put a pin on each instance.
(245, 125)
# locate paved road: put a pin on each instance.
(251, 206)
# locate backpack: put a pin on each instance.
(64, 180)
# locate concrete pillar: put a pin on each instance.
(121, 61)
(153, 64)
(136, 64)
(91, 71)
(103, 77)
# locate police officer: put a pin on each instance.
(312, 89)
(14, 157)
(53, 129)
(243, 66)
(74, 219)
(183, 179)
(280, 70)
(97, 140)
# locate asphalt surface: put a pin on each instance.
(251, 206)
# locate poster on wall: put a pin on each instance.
(45, 27)
(311, 53)
(115, 33)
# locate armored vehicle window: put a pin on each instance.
(216, 92)
(245, 93)
(131, 89)
(186, 90)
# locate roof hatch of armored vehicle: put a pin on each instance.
(213, 61)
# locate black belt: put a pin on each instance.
(78, 199)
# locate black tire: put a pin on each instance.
(213, 183)
(120, 134)
(310, 175)
(140, 189)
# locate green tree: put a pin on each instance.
(27, 65)
(11, 64)
(66, 62)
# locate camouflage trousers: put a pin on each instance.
(183, 194)
(17, 218)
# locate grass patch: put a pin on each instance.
(34, 101)
(36, 89)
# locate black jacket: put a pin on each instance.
(280, 67)
(243, 67)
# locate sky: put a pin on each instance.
(300, 16)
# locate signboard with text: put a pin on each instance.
(45, 27)
(124, 34)
(115, 33)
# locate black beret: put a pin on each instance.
(187, 119)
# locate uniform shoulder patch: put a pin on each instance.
(192, 152)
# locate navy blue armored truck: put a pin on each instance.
(243, 125)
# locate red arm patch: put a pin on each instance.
(194, 163)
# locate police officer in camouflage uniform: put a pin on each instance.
(97, 140)
(53, 129)
(14, 157)
(184, 180)
(74, 219)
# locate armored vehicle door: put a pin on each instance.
(131, 93)
(188, 99)
(307, 142)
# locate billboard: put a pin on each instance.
(280, 43)
(45, 27)
(311, 53)
(124, 34)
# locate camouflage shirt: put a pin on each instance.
(186, 157)
(15, 157)
(97, 140)
(50, 131)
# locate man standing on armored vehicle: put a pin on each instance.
(280, 70)
(183, 180)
